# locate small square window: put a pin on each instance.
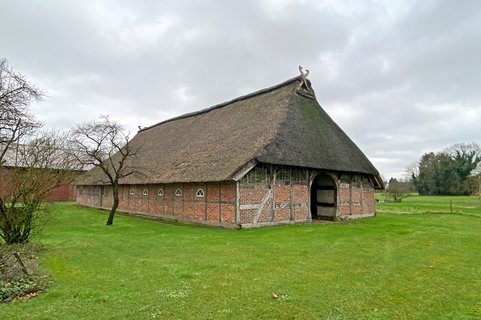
(145, 192)
(160, 192)
(200, 193)
(178, 192)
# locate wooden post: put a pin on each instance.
(291, 197)
(219, 203)
(273, 187)
(237, 203)
(20, 262)
(361, 200)
(350, 194)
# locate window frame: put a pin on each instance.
(160, 192)
(197, 195)
(178, 192)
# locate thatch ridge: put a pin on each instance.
(283, 124)
(223, 104)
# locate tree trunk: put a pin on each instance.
(115, 193)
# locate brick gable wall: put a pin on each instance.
(356, 197)
(272, 196)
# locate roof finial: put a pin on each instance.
(304, 76)
(304, 88)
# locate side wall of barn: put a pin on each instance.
(356, 197)
(274, 195)
(266, 195)
(210, 203)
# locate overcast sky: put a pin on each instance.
(401, 78)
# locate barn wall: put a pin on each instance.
(64, 192)
(356, 197)
(216, 206)
(274, 195)
(266, 196)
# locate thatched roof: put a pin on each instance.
(282, 125)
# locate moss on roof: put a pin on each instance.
(283, 124)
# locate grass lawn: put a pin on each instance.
(415, 260)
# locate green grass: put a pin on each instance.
(415, 260)
(464, 205)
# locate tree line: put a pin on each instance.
(449, 172)
(455, 171)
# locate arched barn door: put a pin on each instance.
(323, 198)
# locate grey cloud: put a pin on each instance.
(401, 78)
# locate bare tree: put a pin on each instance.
(31, 172)
(16, 93)
(105, 144)
(32, 163)
(399, 189)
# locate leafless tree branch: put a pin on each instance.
(104, 144)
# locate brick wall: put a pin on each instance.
(64, 192)
(356, 196)
(211, 203)
(267, 196)
(272, 195)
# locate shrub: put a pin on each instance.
(20, 286)
(20, 274)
